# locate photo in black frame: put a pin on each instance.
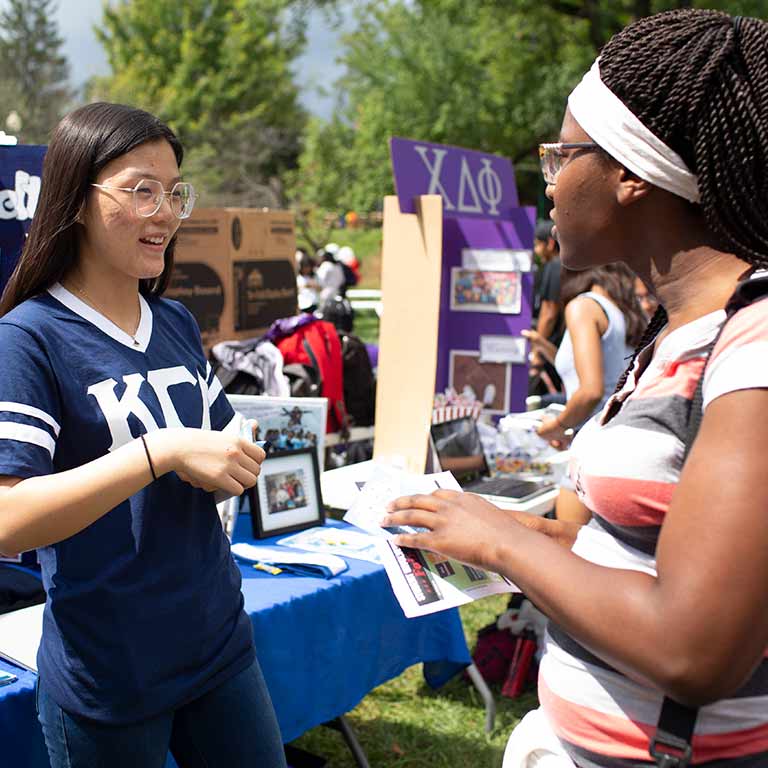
(287, 495)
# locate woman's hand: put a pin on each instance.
(206, 458)
(540, 345)
(466, 527)
(554, 432)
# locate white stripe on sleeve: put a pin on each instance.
(10, 430)
(214, 390)
(235, 425)
(30, 410)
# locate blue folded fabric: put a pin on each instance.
(316, 564)
(305, 569)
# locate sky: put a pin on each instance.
(86, 57)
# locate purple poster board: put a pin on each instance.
(472, 184)
(480, 208)
(21, 169)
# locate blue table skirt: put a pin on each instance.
(322, 644)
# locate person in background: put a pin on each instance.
(660, 164)
(351, 264)
(145, 643)
(330, 276)
(547, 304)
(603, 324)
(647, 301)
(548, 315)
(332, 248)
(307, 284)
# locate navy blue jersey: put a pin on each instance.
(144, 609)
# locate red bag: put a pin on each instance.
(494, 652)
(521, 666)
(317, 346)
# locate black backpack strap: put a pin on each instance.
(315, 373)
(671, 745)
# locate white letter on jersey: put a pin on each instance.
(117, 411)
(160, 381)
(206, 407)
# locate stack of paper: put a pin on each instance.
(336, 541)
(20, 633)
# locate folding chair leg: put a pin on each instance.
(485, 694)
(342, 725)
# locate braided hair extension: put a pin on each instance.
(658, 321)
(698, 80)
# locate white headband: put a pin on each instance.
(612, 126)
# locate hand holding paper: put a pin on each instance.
(457, 525)
(385, 485)
(423, 581)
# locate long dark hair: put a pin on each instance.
(698, 79)
(618, 281)
(82, 144)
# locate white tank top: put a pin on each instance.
(614, 347)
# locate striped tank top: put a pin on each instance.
(625, 471)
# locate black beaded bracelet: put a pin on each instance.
(149, 458)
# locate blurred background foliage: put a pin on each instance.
(491, 75)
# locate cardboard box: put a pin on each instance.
(235, 270)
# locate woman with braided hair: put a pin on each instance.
(662, 597)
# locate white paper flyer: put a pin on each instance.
(423, 582)
(344, 542)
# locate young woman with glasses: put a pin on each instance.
(113, 435)
(662, 165)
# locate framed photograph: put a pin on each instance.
(289, 423)
(488, 382)
(476, 290)
(287, 495)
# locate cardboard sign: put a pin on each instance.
(265, 290)
(235, 271)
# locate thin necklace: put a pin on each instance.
(89, 300)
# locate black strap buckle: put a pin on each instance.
(670, 752)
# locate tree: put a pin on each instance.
(218, 71)
(462, 72)
(35, 72)
(486, 74)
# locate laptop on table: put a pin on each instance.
(459, 450)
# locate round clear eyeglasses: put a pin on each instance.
(148, 196)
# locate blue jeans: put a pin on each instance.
(232, 726)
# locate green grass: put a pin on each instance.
(405, 723)
(367, 326)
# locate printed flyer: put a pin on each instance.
(423, 582)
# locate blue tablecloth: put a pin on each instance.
(322, 644)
